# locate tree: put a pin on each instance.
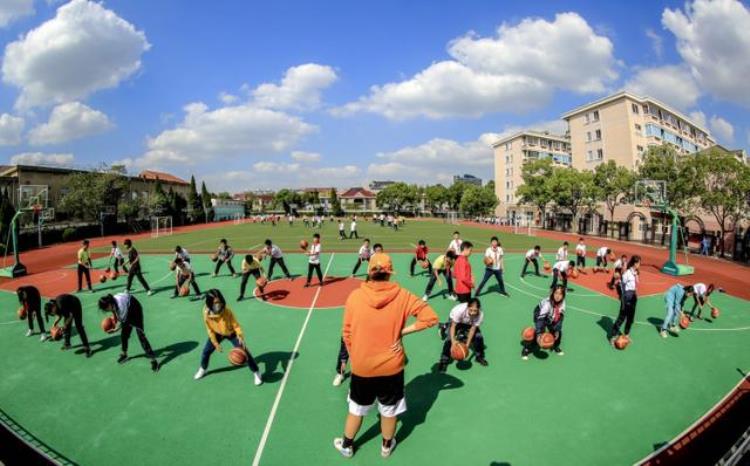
(160, 202)
(535, 189)
(477, 200)
(455, 193)
(613, 183)
(437, 196)
(397, 195)
(573, 191)
(664, 164)
(722, 185)
(224, 196)
(89, 192)
(206, 200)
(336, 204)
(195, 205)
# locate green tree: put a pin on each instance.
(478, 200)
(224, 196)
(160, 202)
(722, 187)
(573, 191)
(436, 196)
(195, 205)
(206, 200)
(664, 164)
(613, 182)
(535, 189)
(397, 195)
(89, 192)
(455, 194)
(336, 204)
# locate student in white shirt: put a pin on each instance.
(581, 253)
(493, 260)
(182, 253)
(562, 252)
(117, 259)
(560, 270)
(602, 259)
(548, 315)
(342, 234)
(185, 277)
(353, 229)
(362, 256)
(532, 257)
(455, 244)
(313, 261)
(463, 326)
(629, 285)
(614, 282)
(276, 257)
(701, 298)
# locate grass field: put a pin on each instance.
(594, 405)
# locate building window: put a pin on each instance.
(598, 135)
(635, 108)
(508, 145)
(586, 117)
(588, 136)
(589, 156)
(639, 149)
(599, 154)
(596, 115)
(637, 127)
(645, 109)
(507, 185)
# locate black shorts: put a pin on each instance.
(388, 390)
(601, 261)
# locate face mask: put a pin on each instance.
(217, 308)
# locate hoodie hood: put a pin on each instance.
(380, 294)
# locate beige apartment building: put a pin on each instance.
(510, 155)
(622, 126)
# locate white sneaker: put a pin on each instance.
(386, 452)
(43, 337)
(150, 292)
(674, 329)
(199, 375)
(338, 380)
(257, 379)
(29, 332)
(525, 358)
(453, 297)
(664, 334)
(425, 298)
(338, 443)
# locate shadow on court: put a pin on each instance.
(271, 362)
(105, 343)
(606, 323)
(421, 394)
(175, 350)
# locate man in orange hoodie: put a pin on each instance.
(462, 271)
(375, 318)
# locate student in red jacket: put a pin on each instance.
(462, 271)
(420, 254)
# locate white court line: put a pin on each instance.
(272, 414)
(19, 321)
(649, 324)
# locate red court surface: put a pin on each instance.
(731, 276)
(650, 281)
(292, 293)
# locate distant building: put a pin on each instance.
(468, 179)
(165, 178)
(355, 200)
(324, 198)
(377, 186)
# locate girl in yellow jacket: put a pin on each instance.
(222, 325)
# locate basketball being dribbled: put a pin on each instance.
(459, 351)
(684, 322)
(113, 276)
(214, 257)
(303, 244)
(545, 340)
(622, 342)
(527, 334)
(237, 357)
(55, 332)
(574, 273)
(424, 264)
(547, 266)
(261, 282)
(22, 312)
(715, 312)
(108, 324)
(487, 261)
(102, 279)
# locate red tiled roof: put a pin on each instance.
(357, 193)
(154, 175)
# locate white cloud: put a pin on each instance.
(84, 48)
(657, 43)
(516, 71)
(275, 175)
(40, 158)
(227, 98)
(722, 130)
(11, 128)
(301, 156)
(11, 10)
(672, 84)
(69, 121)
(713, 38)
(300, 89)
(698, 117)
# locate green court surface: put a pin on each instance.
(595, 405)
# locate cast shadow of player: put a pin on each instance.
(269, 361)
(499, 463)
(275, 295)
(421, 394)
(606, 323)
(105, 343)
(175, 350)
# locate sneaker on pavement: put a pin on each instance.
(338, 444)
(453, 297)
(199, 374)
(663, 334)
(674, 329)
(442, 367)
(256, 379)
(44, 337)
(88, 352)
(338, 380)
(482, 362)
(155, 366)
(385, 452)
(559, 351)
(425, 298)
(122, 359)
(150, 292)
(29, 332)
(525, 357)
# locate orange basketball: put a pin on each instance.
(574, 273)
(547, 266)
(424, 264)
(172, 265)
(22, 312)
(545, 340)
(303, 244)
(488, 261)
(684, 322)
(55, 332)
(622, 342)
(102, 279)
(528, 334)
(612, 257)
(459, 351)
(715, 312)
(108, 324)
(214, 257)
(184, 290)
(237, 357)
(113, 276)
(261, 282)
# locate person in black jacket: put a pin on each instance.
(31, 300)
(68, 309)
(134, 263)
(128, 313)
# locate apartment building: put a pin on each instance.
(622, 126)
(510, 155)
(468, 179)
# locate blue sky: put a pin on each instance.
(250, 95)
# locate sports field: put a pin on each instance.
(595, 405)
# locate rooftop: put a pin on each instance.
(161, 176)
(539, 134)
(357, 193)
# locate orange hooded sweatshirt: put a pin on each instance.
(373, 318)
